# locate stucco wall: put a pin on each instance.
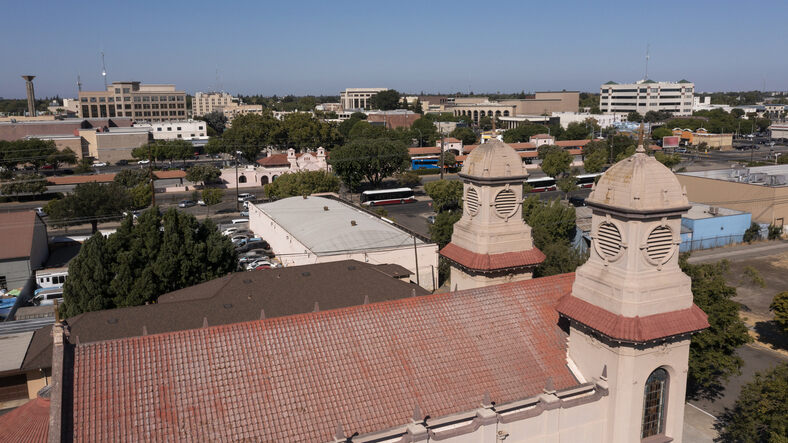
(757, 200)
(16, 272)
(718, 231)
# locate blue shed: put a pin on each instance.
(712, 227)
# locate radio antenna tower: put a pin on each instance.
(79, 83)
(648, 46)
(103, 70)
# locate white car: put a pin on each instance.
(40, 211)
(201, 202)
(143, 162)
(245, 196)
(230, 231)
(99, 164)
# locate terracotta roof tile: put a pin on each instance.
(491, 262)
(16, 237)
(274, 160)
(77, 179)
(28, 423)
(297, 378)
(572, 143)
(169, 174)
(429, 150)
(633, 329)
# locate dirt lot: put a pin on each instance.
(757, 280)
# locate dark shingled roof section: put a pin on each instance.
(297, 378)
(238, 297)
(634, 329)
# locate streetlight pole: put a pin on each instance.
(236, 181)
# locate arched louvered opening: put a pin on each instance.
(659, 244)
(608, 240)
(472, 201)
(505, 203)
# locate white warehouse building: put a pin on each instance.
(307, 230)
(647, 95)
(177, 130)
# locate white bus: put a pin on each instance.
(387, 197)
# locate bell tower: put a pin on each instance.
(631, 313)
(491, 243)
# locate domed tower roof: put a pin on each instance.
(494, 160)
(639, 184)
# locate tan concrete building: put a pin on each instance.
(762, 191)
(152, 103)
(539, 103)
(206, 102)
(235, 110)
(112, 146)
(358, 98)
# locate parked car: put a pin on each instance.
(143, 162)
(239, 239)
(245, 197)
(47, 167)
(257, 263)
(577, 201)
(237, 221)
(254, 243)
(99, 164)
(122, 162)
(431, 219)
(244, 214)
(40, 211)
(201, 202)
(186, 203)
(231, 230)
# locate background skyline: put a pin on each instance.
(314, 47)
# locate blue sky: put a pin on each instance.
(321, 47)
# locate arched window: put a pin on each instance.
(242, 179)
(655, 395)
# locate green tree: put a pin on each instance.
(141, 195)
(594, 156)
(143, 260)
(442, 229)
(249, 134)
(59, 158)
(660, 132)
(713, 356)
(555, 160)
(386, 100)
(84, 166)
(567, 184)
(216, 120)
(669, 160)
(24, 184)
(449, 159)
(634, 116)
(203, 174)
(779, 306)
(408, 179)
(90, 203)
(132, 177)
(752, 233)
(523, 133)
(302, 130)
(578, 131)
(553, 228)
(485, 123)
(302, 183)
(370, 159)
(212, 196)
(446, 195)
(425, 131)
(465, 135)
(760, 414)
(345, 127)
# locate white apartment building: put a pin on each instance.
(358, 98)
(647, 95)
(177, 130)
(206, 102)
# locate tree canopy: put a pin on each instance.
(594, 156)
(445, 194)
(302, 183)
(130, 178)
(779, 306)
(203, 174)
(760, 414)
(556, 161)
(553, 228)
(713, 351)
(465, 135)
(143, 260)
(24, 184)
(523, 133)
(165, 150)
(90, 203)
(370, 159)
(216, 120)
(32, 151)
(386, 100)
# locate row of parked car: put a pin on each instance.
(254, 253)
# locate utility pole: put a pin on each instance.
(150, 173)
(416, 255)
(441, 159)
(236, 181)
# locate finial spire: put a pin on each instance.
(640, 148)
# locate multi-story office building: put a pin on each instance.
(358, 98)
(647, 95)
(177, 130)
(206, 102)
(152, 103)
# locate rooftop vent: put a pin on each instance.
(305, 274)
(228, 305)
(713, 210)
(325, 208)
(353, 223)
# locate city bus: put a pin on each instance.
(544, 184)
(387, 197)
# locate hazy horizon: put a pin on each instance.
(317, 48)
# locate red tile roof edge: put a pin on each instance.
(492, 262)
(633, 329)
(27, 423)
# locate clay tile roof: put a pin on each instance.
(492, 262)
(78, 179)
(522, 146)
(16, 235)
(298, 378)
(27, 423)
(429, 150)
(170, 174)
(543, 136)
(571, 143)
(529, 154)
(274, 160)
(633, 329)
(451, 140)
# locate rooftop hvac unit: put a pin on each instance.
(713, 210)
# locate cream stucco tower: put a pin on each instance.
(631, 310)
(491, 243)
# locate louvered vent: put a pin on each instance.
(472, 200)
(608, 240)
(659, 243)
(505, 203)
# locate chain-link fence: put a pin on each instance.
(710, 242)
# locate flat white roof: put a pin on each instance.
(329, 232)
(13, 348)
(700, 211)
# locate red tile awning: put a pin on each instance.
(492, 262)
(633, 329)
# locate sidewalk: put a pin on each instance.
(740, 252)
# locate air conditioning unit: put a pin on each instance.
(713, 210)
